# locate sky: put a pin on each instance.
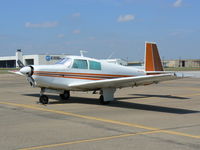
(103, 28)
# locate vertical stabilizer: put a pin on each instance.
(152, 58)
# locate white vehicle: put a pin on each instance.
(79, 73)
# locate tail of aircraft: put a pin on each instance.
(152, 58)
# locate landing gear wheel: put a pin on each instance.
(44, 99)
(102, 102)
(65, 95)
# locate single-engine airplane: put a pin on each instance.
(79, 73)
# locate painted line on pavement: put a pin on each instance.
(102, 120)
(89, 140)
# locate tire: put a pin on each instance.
(44, 99)
(102, 102)
(65, 95)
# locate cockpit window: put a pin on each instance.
(95, 65)
(80, 64)
(65, 61)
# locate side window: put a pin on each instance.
(95, 65)
(80, 64)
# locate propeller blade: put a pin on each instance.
(20, 64)
(31, 81)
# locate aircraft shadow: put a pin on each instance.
(160, 96)
(118, 103)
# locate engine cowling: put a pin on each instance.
(28, 72)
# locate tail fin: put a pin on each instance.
(152, 58)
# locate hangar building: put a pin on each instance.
(178, 63)
(11, 61)
(194, 63)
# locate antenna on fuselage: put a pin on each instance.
(82, 52)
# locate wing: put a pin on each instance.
(122, 82)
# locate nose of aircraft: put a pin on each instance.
(25, 70)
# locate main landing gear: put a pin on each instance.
(102, 102)
(44, 99)
(64, 95)
(106, 95)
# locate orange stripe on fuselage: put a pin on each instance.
(85, 76)
(92, 74)
(59, 76)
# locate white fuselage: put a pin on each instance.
(61, 75)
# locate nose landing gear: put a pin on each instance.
(43, 98)
(64, 95)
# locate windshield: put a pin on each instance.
(65, 61)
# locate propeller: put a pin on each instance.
(27, 71)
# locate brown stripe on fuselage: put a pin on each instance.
(58, 76)
(86, 76)
(153, 73)
(93, 74)
(72, 75)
